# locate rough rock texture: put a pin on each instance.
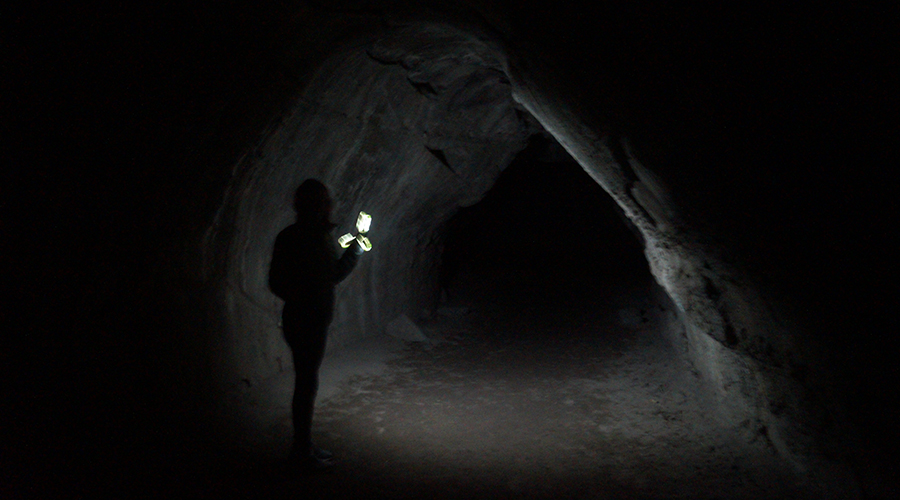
(408, 128)
(419, 119)
(753, 362)
(403, 328)
(136, 238)
(524, 399)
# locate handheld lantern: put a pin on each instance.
(363, 222)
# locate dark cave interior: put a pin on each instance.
(771, 129)
(546, 226)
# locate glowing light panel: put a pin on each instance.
(345, 240)
(363, 222)
(364, 243)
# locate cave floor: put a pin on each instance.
(533, 398)
(528, 397)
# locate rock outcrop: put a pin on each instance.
(413, 120)
(408, 127)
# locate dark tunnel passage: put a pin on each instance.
(545, 229)
(422, 120)
(410, 132)
(546, 247)
(550, 367)
(546, 312)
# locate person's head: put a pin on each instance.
(312, 201)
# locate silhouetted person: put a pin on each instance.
(305, 269)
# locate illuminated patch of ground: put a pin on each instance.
(538, 404)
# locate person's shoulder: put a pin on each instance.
(286, 232)
(289, 234)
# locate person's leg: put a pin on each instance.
(306, 336)
(306, 382)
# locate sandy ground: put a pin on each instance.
(527, 398)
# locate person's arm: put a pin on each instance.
(347, 262)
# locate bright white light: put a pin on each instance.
(363, 222)
(345, 240)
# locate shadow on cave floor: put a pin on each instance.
(511, 401)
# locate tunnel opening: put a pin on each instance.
(545, 233)
(552, 351)
(168, 320)
(364, 126)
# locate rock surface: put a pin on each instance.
(158, 166)
(416, 120)
(403, 328)
(408, 127)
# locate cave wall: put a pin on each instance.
(765, 378)
(120, 279)
(407, 128)
(414, 121)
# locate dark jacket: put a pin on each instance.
(305, 267)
